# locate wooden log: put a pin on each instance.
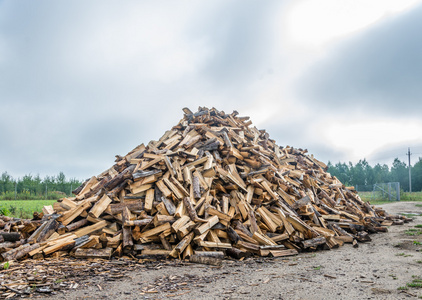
(59, 244)
(232, 234)
(279, 237)
(81, 241)
(196, 188)
(165, 242)
(49, 228)
(47, 209)
(133, 205)
(93, 253)
(215, 254)
(208, 225)
(237, 253)
(19, 252)
(179, 223)
(239, 226)
(186, 229)
(217, 245)
(127, 242)
(156, 230)
(163, 188)
(363, 236)
(155, 252)
(126, 174)
(262, 239)
(72, 214)
(76, 225)
(205, 260)
(161, 219)
(398, 222)
(90, 229)
(142, 222)
(281, 253)
(267, 220)
(181, 245)
(149, 199)
(100, 206)
(252, 220)
(254, 248)
(10, 236)
(191, 210)
(170, 207)
(142, 174)
(314, 242)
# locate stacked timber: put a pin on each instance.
(211, 186)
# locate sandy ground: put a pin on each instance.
(373, 271)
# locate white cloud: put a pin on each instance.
(313, 23)
(363, 137)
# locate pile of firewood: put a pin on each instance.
(211, 186)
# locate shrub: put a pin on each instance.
(4, 211)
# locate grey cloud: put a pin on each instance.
(241, 38)
(297, 135)
(378, 69)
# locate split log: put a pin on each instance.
(93, 253)
(314, 242)
(206, 260)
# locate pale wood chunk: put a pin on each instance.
(100, 206)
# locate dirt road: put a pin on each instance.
(375, 270)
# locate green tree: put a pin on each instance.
(381, 173)
(61, 182)
(417, 176)
(6, 183)
(358, 174)
(400, 173)
(341, 171)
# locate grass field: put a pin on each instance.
(23, 208)
(367, 196)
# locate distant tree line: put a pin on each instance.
(33, 187)
(363, 174)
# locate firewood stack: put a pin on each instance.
(213, 185)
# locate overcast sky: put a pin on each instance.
(82, 81)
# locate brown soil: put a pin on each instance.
(373, 271)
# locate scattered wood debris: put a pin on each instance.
(34, 278)
(213, 183)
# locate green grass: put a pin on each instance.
(410, 215)
(368, 196)
(416, 283)
(23, 208)
(412, 232)
(418, 226)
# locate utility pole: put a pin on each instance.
(410, 171)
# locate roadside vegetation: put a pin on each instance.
(363, 176)
(31, 187)
(22, 208)
(21, 197)
(404, 196)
